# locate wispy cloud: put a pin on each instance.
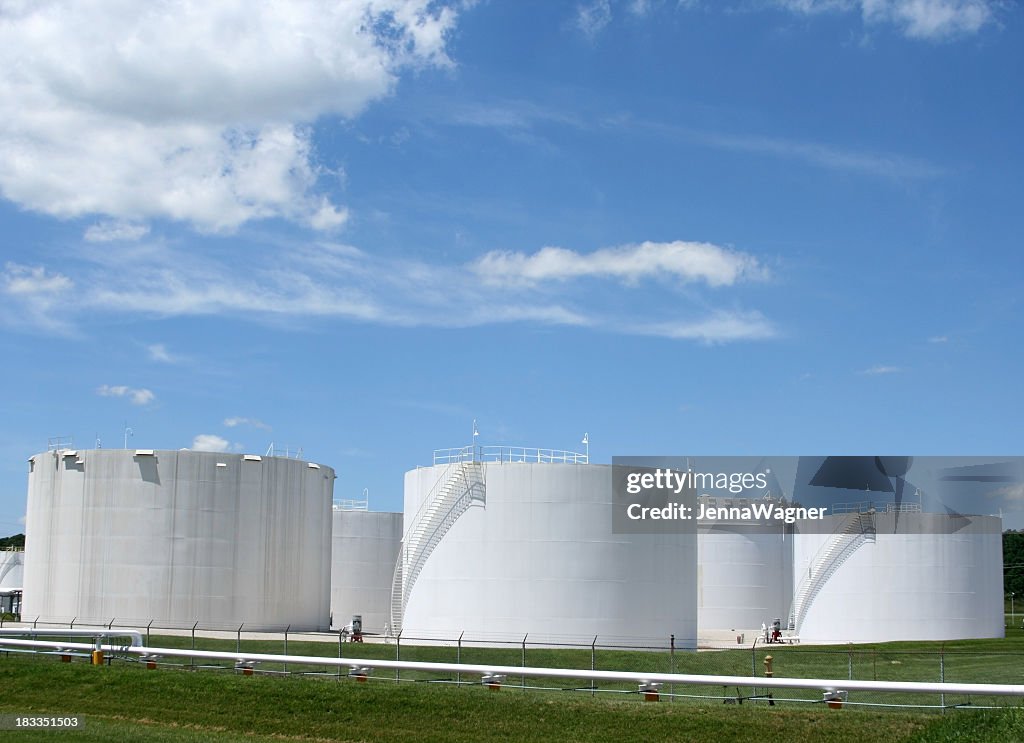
(519, 116)
(593, 17)
(137, 395)
(882, 369)
(933, 20)
(1011, 494)
(720, 327)
(685, 261)
(110, 231)
(251, 422)
(823, 156)
(553, 286)
(158, 352)
(939, 339)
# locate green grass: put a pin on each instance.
(125, 701)
(990, 661)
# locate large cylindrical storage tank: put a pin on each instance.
(178, 537)
(534, 556)
(364, 547)
(12, 563)
(744, 575)
(919, 576)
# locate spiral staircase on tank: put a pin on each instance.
(459, 487)
(16, 560)
(856, 529)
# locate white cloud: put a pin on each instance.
(720, 327)
(921, 19)
(193, 111)
(939, 339)
(138, 396)
(30, 281)
(554, 286)
(210, 442)
(882, 369)
(158, 352)
(593, 17)
(824, 156)
(1013, 494)
(35, 296)
(109, 231)
(686, 261)
(253, 422)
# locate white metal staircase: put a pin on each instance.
(854, 531)
(460, 485)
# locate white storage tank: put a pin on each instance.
(530, 552)
(178, 537)
(11, 577)
(744, 575)
(12, 563)
(364, 547)
(921, 576)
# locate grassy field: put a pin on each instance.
(124, 701)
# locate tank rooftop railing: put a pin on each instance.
(286, 452)
(59, 443)
(508, 454)
(864, 506)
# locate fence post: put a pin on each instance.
(193, 658)
(286, 646)
(942, 675)
(849, 661)
(73, 623)
(672, 666)
(339, 652)
(398, 655)
(458, 659)
(522, 678)
(147, 630)
(593, 666)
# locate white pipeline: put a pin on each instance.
(134, 634)
(825, 685)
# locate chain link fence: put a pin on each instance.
(935, 663)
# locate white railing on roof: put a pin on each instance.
(354, 504)
(864, 506)
(508, 454)
(860, 506)
(286, 452)
(59, 443)
(903, 508)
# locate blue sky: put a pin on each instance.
(739, 227)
